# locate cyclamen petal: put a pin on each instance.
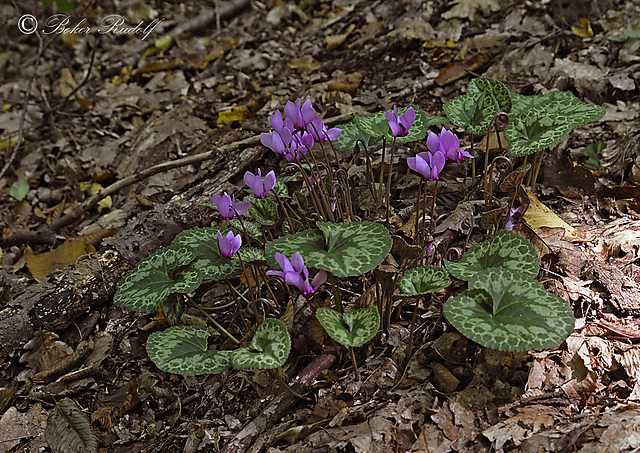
(433, 142)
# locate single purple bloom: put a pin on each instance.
(513, 218)
(400, 125)
(228, 206)
(229, 244)
(295, 273)
(319, 131)
(259, 187)
(300, 115)
(427, 164)
(278, 141)
(448, 144)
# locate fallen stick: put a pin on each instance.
(279, 407)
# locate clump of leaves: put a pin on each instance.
(184, 350)
(504, 307)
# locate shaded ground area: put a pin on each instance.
(89, 122)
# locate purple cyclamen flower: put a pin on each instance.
(319, 132)
(259, 187)
(295, 273)
(278, 141)
(228, 206)
(513, 218)
(300, 115)
(229, 244)
(448, 144)
(400, 125)
(428, 164)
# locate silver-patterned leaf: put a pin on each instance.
(184, 350)
(269, 348)
(503, 311)
(157, 276)
(423, 280)
(506, 249)
(343, 249)
(353, 328)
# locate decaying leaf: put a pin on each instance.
(68, 429)
(540, 216)
(43, 264)
(468, 8)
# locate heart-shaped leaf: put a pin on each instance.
(183, 350)
(345, 250)
(264, 210)
(251, 254)
(505, 312)
(506, 249)
(535, 130)
(353, 328)
(155, 277)
(269, 348)
(252, 230)
(497, 89)
(472, 110)
(562, 103)
(204, 243)
(352, 137)
(423, 280)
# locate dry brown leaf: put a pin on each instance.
(334, 41)
(540, 216)
(467, 8)
(305, 64)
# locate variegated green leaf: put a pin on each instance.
(563, 103)
(269, 348)
(353, 328)
(535, 130)
(472, 110)
(264, 210)
(345, 250)
(252, 229)
(172, 308)
(204, 243)
(183, 350)
(423, 280)
(506, 249)
(155, 277)
(503, 311)
(497, 89)
(352, 137)
(251, 254)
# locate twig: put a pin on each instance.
(24, 110)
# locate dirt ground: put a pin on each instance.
(104, 102)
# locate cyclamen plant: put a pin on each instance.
(498, 308)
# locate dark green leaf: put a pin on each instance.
(505, 312)
(345, 250)
(499, 91)
(352, 137)
(252, 229)
(472, 110)
(149, 283)
(264, 210)
(506, 249)
(376, 125)
(353, 328)
(536, 130)
(423, 280)
(594, 151)
(184, 350)
(269, 348)
(172, 308)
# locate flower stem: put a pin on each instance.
(213, 321)
(336, 292)
(288, 388)
(355, 364)
(432, 224)
(393, 150)
(293, 231)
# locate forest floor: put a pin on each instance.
(87, 124)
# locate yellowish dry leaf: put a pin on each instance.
(235, 114)
(540, 216)
(583, 28)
